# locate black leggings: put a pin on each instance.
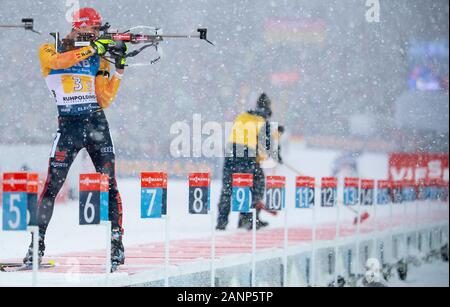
(75, 133)
(234, 166)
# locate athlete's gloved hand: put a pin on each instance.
(101, 46)
(119, 53)
(120, 62)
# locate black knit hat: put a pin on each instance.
(264, 104)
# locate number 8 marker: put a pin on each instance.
(199, 193)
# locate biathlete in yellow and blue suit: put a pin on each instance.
(80, 82)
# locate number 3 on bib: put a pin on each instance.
(242, 192)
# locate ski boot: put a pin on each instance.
(28, 260)
(221, 226)
(261, 223)
(117, 250)
(246, 222)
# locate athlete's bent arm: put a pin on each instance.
(106, 88)
(50, 59)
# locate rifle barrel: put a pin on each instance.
(179, 36)
(12, 26)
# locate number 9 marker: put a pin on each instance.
(242, 192)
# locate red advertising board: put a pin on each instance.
(418, 167)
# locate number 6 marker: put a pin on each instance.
(93, 199)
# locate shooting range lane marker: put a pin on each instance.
(154, 206)
(276, 200)
(200, 203)
(242, 202)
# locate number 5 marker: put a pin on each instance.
(15, 201)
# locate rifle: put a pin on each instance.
(149, 40)
(27, 24)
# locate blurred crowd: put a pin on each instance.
(346, 67)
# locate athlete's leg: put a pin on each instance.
(258, 192)
(259, 185)
(259, 182)
(101, 150)
(100, 147)
(225, 197)
(64, 150)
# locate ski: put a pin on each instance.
(20, 267)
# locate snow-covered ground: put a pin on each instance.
(65, 235)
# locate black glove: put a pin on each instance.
(119, 53)
(120, 62)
